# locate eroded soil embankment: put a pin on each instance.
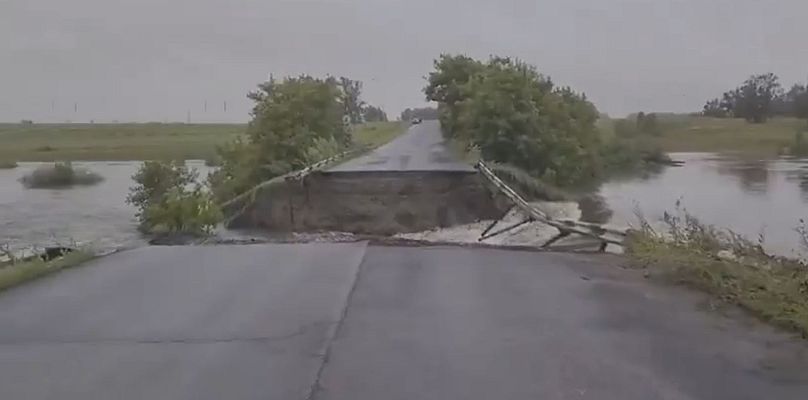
(378, 203)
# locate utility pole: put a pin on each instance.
(206, 106)
(225, 106)
(76, 107)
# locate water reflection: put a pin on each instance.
(747, 196)
(752, 175)
(800, 178)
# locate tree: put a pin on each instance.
(714, 108)
(797, 97)
(424, 113)
(648, 124)
(755, 99)
(288, 118)
(352, 93)
(446, 87)
(373, 114)
(515, 115)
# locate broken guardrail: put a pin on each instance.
(603, 234)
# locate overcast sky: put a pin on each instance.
(154, 60)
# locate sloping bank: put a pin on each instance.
(367, 202)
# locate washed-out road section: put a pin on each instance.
(358, 322)
(413, 183)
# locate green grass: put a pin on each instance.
(701, 134)
(15, 274)
(113, 142)
(773, 292)
(148, 141)
(731, 268)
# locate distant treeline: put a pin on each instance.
(759, 98)
(425, 113)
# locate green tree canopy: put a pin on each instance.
(515, 115)
(447, 87)
(759, 98)
(352, 99)
(425, 113)
(288, 118)
(373, 114)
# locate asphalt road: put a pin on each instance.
(351, 322)
(421, 148)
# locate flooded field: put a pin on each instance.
(94, 215)
(752, 197)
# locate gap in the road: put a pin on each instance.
(371, 202)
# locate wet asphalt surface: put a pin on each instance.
(421, 148)
(358, 322)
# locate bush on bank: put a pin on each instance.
(169, 200)
(60, 174)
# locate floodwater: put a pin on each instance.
(95, 215)
(750, 197)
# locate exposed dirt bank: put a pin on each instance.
(377, 203)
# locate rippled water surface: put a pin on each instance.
(747, 196)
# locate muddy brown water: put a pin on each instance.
(749, 196)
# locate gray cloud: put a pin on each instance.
(146, 60)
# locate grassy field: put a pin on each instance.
(683, 133)
(118, 142)
(95, 142)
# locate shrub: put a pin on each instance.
(321, 149)
(238, 171)
(183, 211)
(168, 199)
(61, 174)
(155, 178)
